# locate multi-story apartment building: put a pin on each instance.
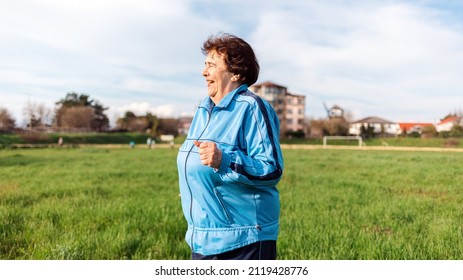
(295, 113)
(289, 107)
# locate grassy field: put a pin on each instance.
(96, 203)
(123, 138)
(7, 140)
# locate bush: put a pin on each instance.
(456, 131)
(34, 138)
(295, 134)
(429, 131)
(451, 143)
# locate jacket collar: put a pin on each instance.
(209, 104)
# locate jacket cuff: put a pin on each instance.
(226, 160)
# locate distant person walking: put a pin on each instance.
(231, 162)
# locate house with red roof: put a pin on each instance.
(413, 127)
(386, 127)
(447, 123)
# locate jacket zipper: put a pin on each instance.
(186, 177)
(219, 198)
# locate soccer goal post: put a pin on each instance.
(326, 138)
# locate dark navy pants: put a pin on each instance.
(263, 250)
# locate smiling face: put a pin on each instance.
(219, 80)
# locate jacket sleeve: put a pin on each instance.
(257, 159)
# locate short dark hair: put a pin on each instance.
(239, 56)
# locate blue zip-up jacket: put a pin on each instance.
(237, 204)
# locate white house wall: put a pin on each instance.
(393, 129)
(444, 127)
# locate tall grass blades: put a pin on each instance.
(95, 203)
(90, 204)
(371, 205)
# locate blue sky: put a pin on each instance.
(399, 60)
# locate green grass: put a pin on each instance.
(6, 140)
(90, 204)
(94, 203)
(372, 205)
(436, 142)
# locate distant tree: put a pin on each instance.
(73, 99)
(99, 120)
(429, 131)
(7, 122)
(316, 128)
(129, 114)
(148, 123)
(371, 131)
(367, 131)
(153, 124)
(363, 131)
(414, 134)
(335, 126)
(324, 127)
(168, 126)
(138, 124)
(131, 122)
(299, 134)
(456, 131)
(124, 122)
(37, 115)
(78, 117)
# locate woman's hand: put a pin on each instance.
(209, 154)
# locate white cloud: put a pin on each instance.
(396, 59)
(364, 55)
(142, 108)
(137, 108)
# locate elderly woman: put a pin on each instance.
(231, 162)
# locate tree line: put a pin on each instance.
(79, 113)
